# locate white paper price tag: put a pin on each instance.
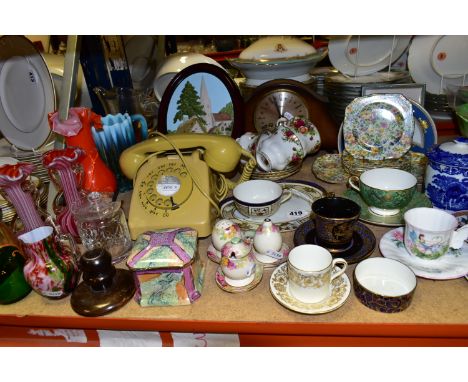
(274, 254)
(168, 185)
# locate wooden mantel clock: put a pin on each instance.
(276, 98)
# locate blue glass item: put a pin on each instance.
(446, 180)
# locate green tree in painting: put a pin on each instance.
(189, 105)
(228, 109)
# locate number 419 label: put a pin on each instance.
(297, 213)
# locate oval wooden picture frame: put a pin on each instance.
(218, 122)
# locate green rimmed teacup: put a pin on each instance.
(385, 190)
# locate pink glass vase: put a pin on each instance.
(51, 267)
(12, 177)
(62, 163)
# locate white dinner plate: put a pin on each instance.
(27, 93)
(421, 68)
(375, 53)
(450, 56)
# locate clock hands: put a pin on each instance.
(278, 109)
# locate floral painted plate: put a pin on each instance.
(341, 288)
(452, 265)
(419, 200)
(329, 169)
(289, 216)
(221, 281)
(378, 126)
(425, 131)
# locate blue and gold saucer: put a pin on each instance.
(362, 246)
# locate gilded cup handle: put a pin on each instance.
(287, 194)
(354, 182)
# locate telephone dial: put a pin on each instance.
(178, 180)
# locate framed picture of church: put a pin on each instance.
(202, 98)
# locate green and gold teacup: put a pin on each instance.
(385, 190)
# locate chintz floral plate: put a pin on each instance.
(378, 126)
(340, 290)
(452, 265)
(329, 169)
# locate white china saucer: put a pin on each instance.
(341, 288)
(289, 216)
(452, 265)
(221, 281)
(269, 261)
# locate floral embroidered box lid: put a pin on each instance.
(172, 248)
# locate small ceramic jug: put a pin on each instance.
(51, 268)
(280, 149)
(238, 262)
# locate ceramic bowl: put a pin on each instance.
(258, 198)
(276, 48)
(172, 65)
(276, 57)
(385, 285)
(385, 190)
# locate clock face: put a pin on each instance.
(276, 104)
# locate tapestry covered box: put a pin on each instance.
(167, 268)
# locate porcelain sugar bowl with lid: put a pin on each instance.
(446, 182)
(238, 262)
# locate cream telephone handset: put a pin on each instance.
(178, 180)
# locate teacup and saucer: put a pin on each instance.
(311, 281)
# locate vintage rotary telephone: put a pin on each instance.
(177, 180)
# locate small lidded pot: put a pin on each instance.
(238, 262)
(446, 182)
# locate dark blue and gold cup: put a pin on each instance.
(335, 218)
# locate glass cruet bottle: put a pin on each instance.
(101, 223)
